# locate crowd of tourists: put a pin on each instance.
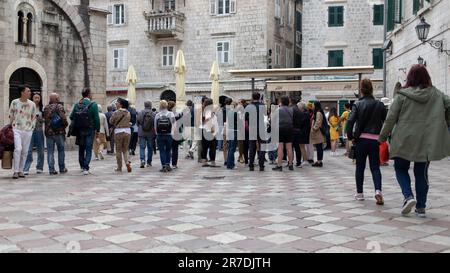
(415, 124)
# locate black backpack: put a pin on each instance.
(148, 122)
(164, 125)
(81, 117)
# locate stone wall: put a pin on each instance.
(250, 32)
(67, 53)
(357, 37)
(406, 48)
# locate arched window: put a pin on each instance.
(30, 28)
(20, 27)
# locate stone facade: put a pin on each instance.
(66, 49)
(251, 30)
(406, 47)
(357, 37)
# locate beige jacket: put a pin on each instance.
(316, 136)
(121, 119)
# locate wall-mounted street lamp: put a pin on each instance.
(420, 60)
(422, 30)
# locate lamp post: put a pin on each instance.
(422, 31)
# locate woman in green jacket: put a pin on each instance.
(418, 123)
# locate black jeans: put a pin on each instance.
(367, 148)
(175, 145)
(133, 141)
(296, 146)
(252, 153)
(211, 146)
(319, 149)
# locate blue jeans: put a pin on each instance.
(273, 155)
(230, 154)
(421, 175)
(86, 141)
(367, 148)
(143, 143)
(36, 140)
(165, 148)
(175, 145)
(59, 141)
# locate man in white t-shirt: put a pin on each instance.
(22, 116)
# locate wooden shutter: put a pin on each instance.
(416, 6)
(378, 14)
(398, 11)
(232, 6)
(110, 15)
(391, 14)
(340, 16)
(212, 7)
(377, 58)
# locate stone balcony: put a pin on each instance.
(165, 25)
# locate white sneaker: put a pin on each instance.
(359, 196)
(26, 173)
(408, 205)
(85, 172)
(39, 171)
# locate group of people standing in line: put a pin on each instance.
(417, 126)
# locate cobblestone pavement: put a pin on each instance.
(196, 209)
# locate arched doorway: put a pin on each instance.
(24, 76)
(169, 95)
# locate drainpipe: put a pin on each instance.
(384, 51)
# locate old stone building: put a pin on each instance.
(343, 33)
(250, 34)
(404, 48)
(53, 46)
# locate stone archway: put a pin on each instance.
(169, 95)
(24, 76)
(13, 67)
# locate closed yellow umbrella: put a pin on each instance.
(180, 72)
(131, 81)
(214, 77)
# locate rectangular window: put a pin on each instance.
(335, 58)
(289, 14)
(288, 58)
(120, 58)
(278, 9)
(394, 13)
(277, 54)
(378, 15)
(119, 14)
(223, 52)
(168, 56)
(169, 4)
(336, 16)
(377, 58)
(222, 7)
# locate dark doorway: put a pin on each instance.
(24, 76)
(169, 95)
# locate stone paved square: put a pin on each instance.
(308, 210)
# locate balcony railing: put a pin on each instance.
(165, 24)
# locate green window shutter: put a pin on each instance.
(391, 15)
(341, 104)
(416, 6)
(335, 16)
(335, 58)
(378, 15)
(377, 58)
(340, 16)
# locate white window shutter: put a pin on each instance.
(110, 15)
(125, 10)
(230, 54)
(213, 7)
(125, 58)
(232, 6)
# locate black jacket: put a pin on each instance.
(367, 116)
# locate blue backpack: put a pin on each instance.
(55, 121)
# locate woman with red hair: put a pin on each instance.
(418, 122)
